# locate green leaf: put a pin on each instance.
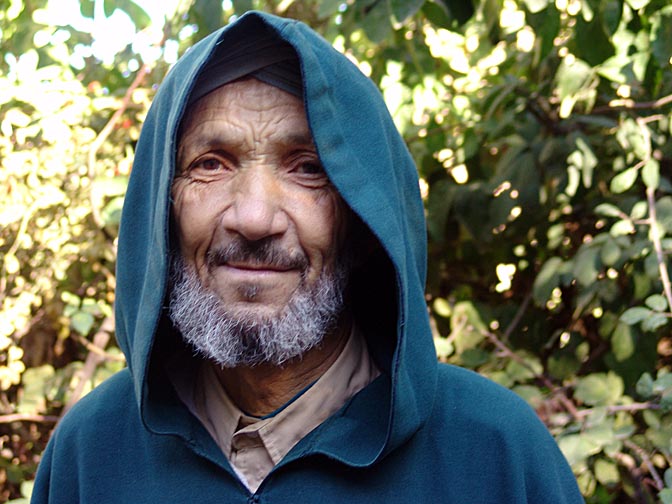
(463, 10)
(546, 24)
(591, 43)
(82, 322)
(661, 36)
(652, 418)
(622, 228)
(635, 315)
(111, 214)
(474, 357)
(584, 159)
(623, 181)
(664, 212)
(531, 394)
(439, 204)
(442, 307)
(535, 6)
(667, 476)
(467, 327)
(465, 313)
(547, 280)
(520, 373)
(610, 252)
(403, 9)
(665, 496)
(109, 6)
(618, 68)
(608, 210)
(651, 174)
(639, 210)
(437, 14)
(637, 4)
(600, 389)
(656, 302)
(86, 8)
(644, 386)
(208, 14)
(655, 321)
(663, 383)
(137, 14)
(577, 448)
(623, 342)
(610, 14)
(35, 384)
(586, 265)
(606, 472)
(573, 77)
(326, 8)
(377, 22)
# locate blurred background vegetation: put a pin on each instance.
(541, 130)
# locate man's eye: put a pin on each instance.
(310, 168)
(210, 164)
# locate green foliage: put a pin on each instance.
(541, 131)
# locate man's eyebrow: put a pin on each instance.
(305, 139)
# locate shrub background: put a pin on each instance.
(541, 131)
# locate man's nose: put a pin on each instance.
(257, 209)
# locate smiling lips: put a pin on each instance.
(254, 267)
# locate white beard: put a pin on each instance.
(245, 339)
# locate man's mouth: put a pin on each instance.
(255, 266)
(265, 255)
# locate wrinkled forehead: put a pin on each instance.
(260, 55)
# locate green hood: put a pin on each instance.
(366, 160)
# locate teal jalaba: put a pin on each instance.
(421, 432)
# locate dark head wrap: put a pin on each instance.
(261, 55)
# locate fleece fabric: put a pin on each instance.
(420, 432)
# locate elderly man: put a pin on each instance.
(270, 304)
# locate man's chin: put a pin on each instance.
(252, 313)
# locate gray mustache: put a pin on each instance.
(265, 252)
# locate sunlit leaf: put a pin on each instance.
(623, 181)
(608, 210)
(82, 322)
(651, 174)
(606, 472)
(577, 448)
(535, 6)
(600, 389)
(638, 4)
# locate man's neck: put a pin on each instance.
(262, 389)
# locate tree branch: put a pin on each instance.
(632, 105)
(104, 133)
(91, 347)
(658, 246)
(646, 460)
(27, 417)
(94, 358)
(555, 390)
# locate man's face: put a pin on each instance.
(256, 216)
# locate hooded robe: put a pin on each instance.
(420, 432)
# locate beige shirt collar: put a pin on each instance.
(254, 446)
